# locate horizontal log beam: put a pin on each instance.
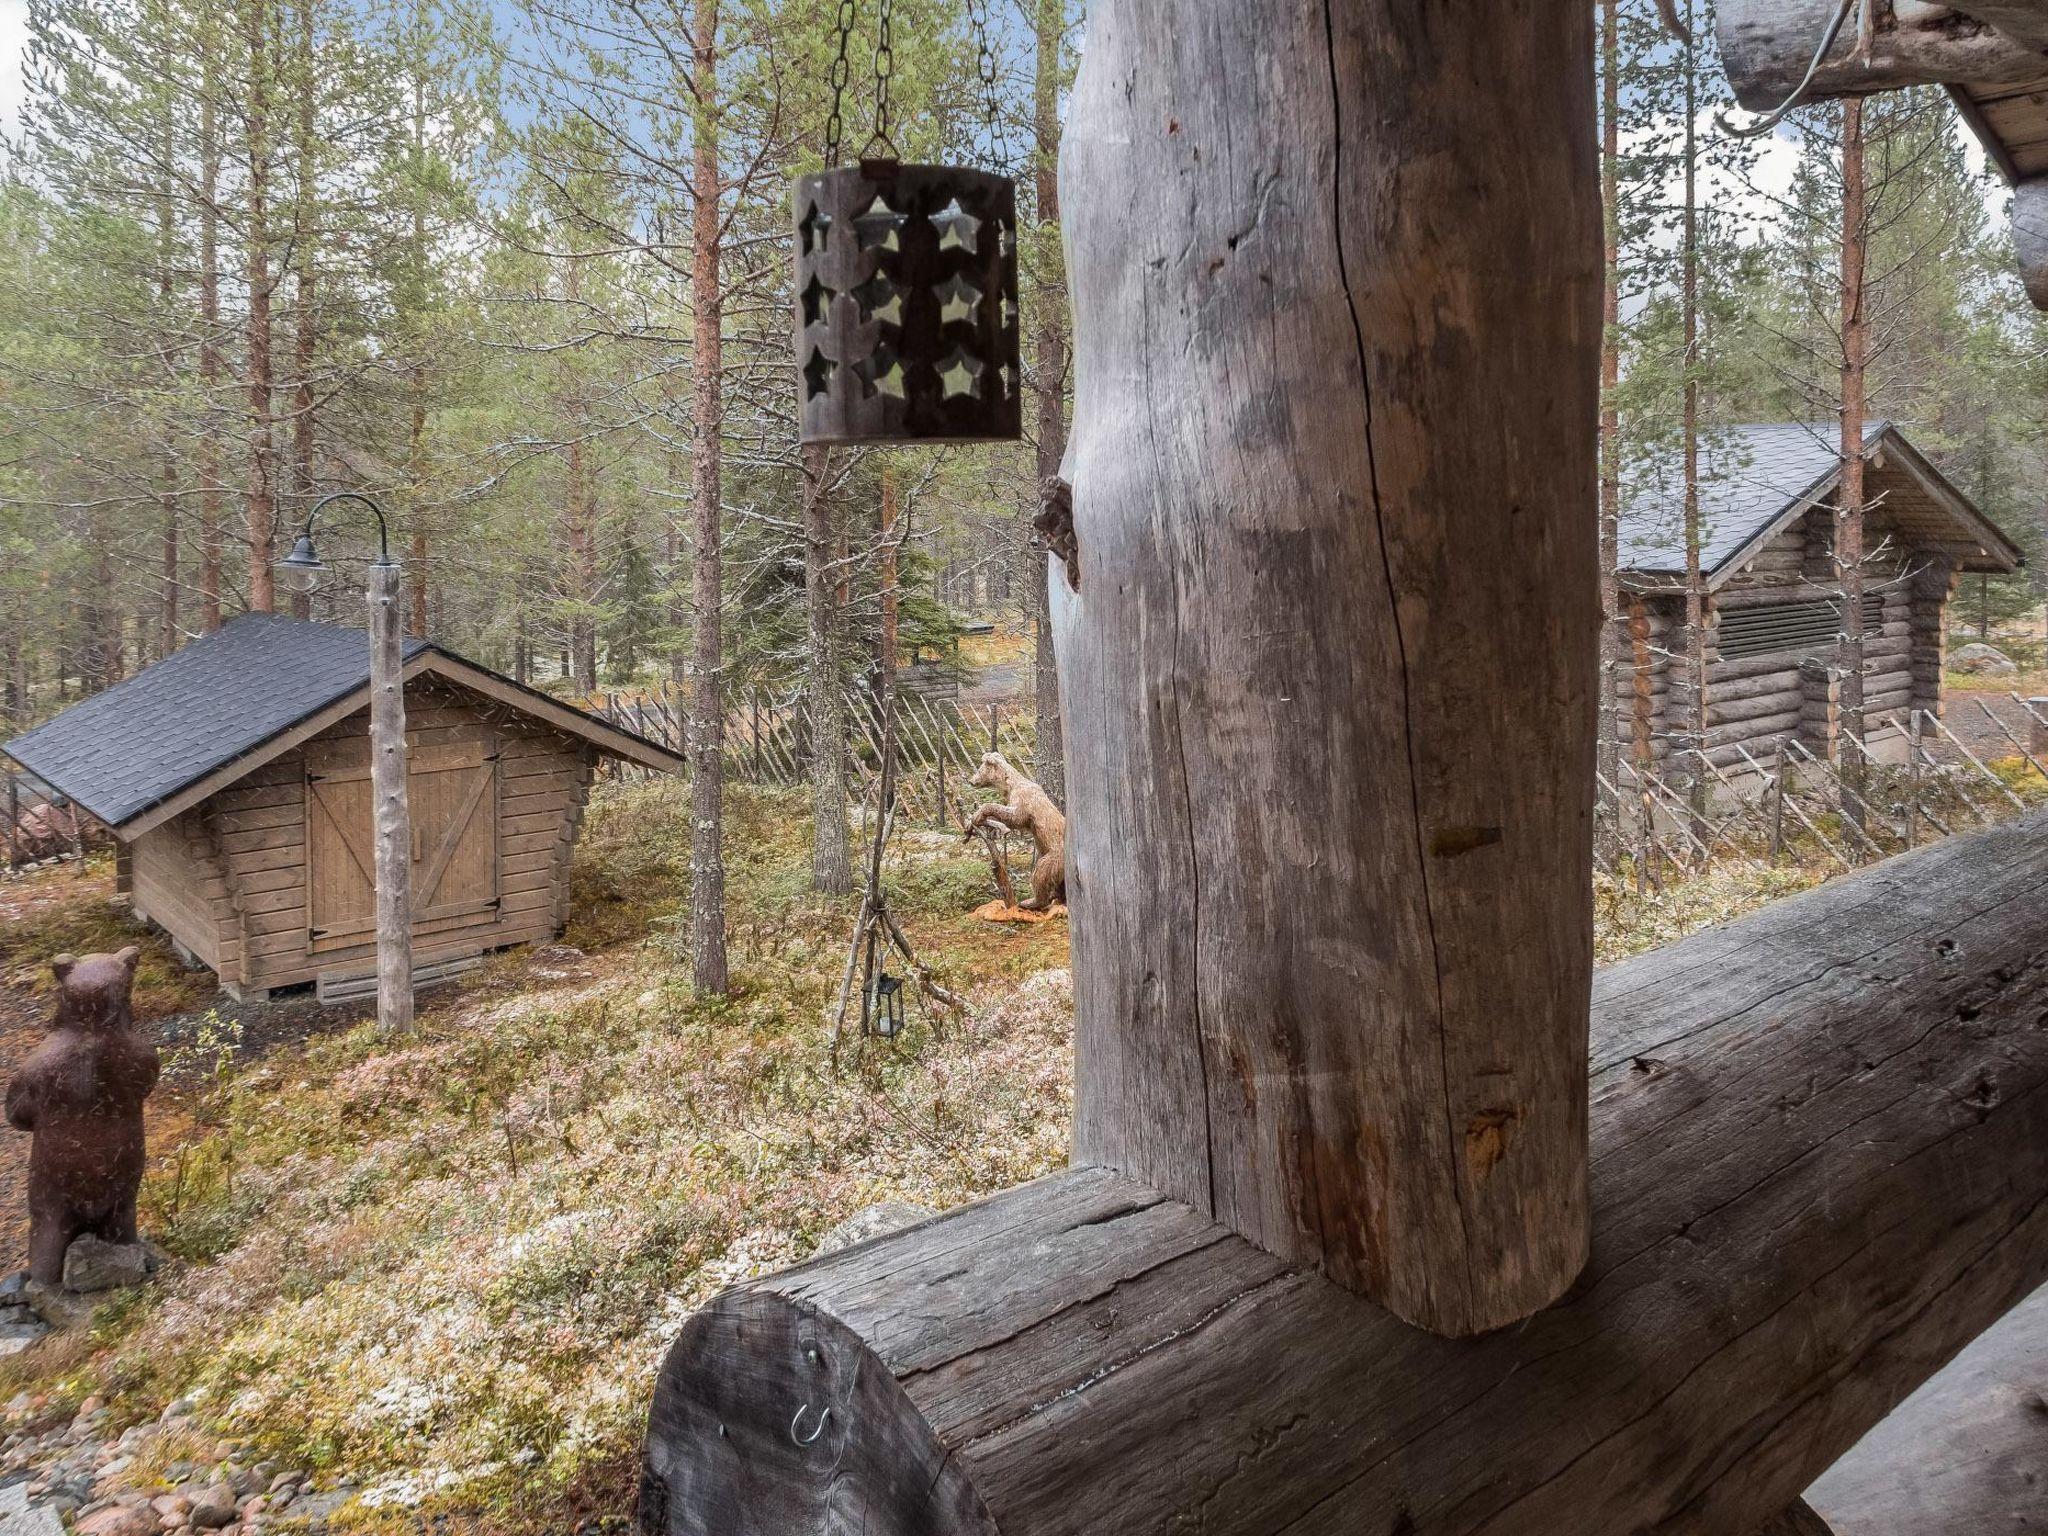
(1818, 1173)
(1963, 1456)
(1766, 46)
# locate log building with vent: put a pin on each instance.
(1774, 598)
(235, 776)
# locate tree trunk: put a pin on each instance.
(167, 472)
(1332, 754)
(1849, 508)
(415, 458)
(1611, 636)
(887, 655)
(211, 532)
(388, 788)
(1694, 726)
(831, 864)
(305, 278)
(260, 497)
(1049, 348)
(707, 713)
(579, 533)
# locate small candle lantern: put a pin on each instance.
(906, 325)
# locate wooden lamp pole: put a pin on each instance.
(391, 813)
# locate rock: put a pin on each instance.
(181, 1409)
(13, 1499)
(93, 1264)
(118, 1521)
(209, 1516)
(14, 1289)
(33, 1522)
(876, 1221)
(1980, 660)
(281, 1480)
(60, 1308)
(15, 1337)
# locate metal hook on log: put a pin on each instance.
(801, 1414)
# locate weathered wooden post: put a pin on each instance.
(1330, 677)
(2037, 727)
(388, 791)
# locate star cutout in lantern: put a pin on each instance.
(817, 302)
(958, 299)
(880, 228)
(817, 225)
(818, 373)
(879, 300)
(1009, 378)
(1009, 240)
(958, 229)
(1009, 313)
(883, 373)
(960, 373)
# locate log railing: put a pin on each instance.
(1820, 1168)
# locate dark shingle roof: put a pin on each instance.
(1749, 475)
(132, 747)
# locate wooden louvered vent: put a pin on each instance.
(1802, 629)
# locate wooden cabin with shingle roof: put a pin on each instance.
(235, 776)
(1774, 599)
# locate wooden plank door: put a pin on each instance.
(454, 791)
(453, 796)
(341, 878)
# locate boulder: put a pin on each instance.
(1980, 660)
(93, 1264)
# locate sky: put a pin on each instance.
(13, 39)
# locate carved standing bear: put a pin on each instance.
(80, 1094)
(1025, 807)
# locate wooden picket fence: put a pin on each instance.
(939, 742)
(1796, 806)
(37, 826)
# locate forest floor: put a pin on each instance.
(434, 1275)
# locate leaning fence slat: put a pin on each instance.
(1803, 819)
(1957, 742)
(1834, 776)
(2018, 745)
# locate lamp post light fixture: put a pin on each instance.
(390, 812)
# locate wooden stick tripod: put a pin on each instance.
(877, 932)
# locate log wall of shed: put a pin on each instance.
(230, 878)
(1755, 704)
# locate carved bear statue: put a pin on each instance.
(1026, 807)
(80, 1094)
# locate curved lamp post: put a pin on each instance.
(302, 570)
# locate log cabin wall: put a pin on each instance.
(241, 883)
(1757, 700)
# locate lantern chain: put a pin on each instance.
(991, 100)
(885, 72)
(842, 72)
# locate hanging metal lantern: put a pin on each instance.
(906, 279)
(906, 324)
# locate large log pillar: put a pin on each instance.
(1329, 680)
